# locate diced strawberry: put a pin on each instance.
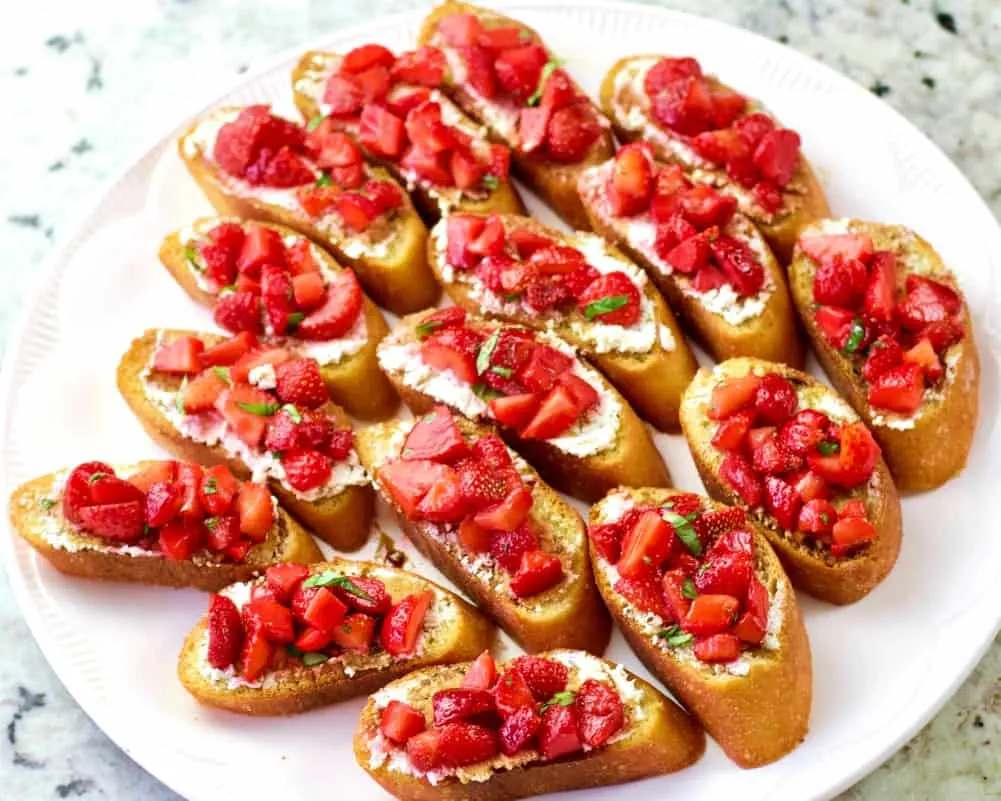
(747, 629)
(684, 106)
(710, 614)
(543, 368)
(324, 611)
(850, 532)
(481, 673)
(669, 183)
(238, 311)
(646, 546)
(342, 95)
(409, 481)
(480, 74)
(926, 302)
(76, 491)
(725, 574)
(306, 469)
(600, 712)
(738, 262)
(381, 132)
(339, 311)
(544, 677)
(239, 373)
(273, 619)
(883, 354)
(854, 507)
(465, 744)
(675, 601)
(727, 107)
(923, 355)
(612, 288)
(403, 623)
(453, 349)
(355, 633)
(509, 514)
(298, 381)
(225, 632)
(228, 351)
(537, 572)
(571, 131)
(631, 181)
(798, 437)
(899, 389)
(753, 128)
(559, 91)
(365, 57)
(262, 245)
(691, 255)
(467, 172)
(460, 30)
(399, 722)
(840, 282)
(180, 538)
(222, 535)
(557, 259)
(217, 490)
(121, 521)
(518, 70)
(283, 579)
(855, 460)
(424, 750)
(189, 477)
(733, 395)
(721, 146)
(246, 411)
(775, 399)
(255, 510)
(718, 648)
(703, 206)
(644, 593)
(943, 333)
(424, 67)
(519, 729)
(782, 502)
(736, 541)
(810, 486)
(461, 703)
(880, 293)
(435, 437)
(508, 547)
(308, 290)
(356, 211)
(731, 433)
(825, 248)
(255, 655)
(443, 502)
(180, 356)
(817, 517)
(559, 734)
(557, 412)
(835, 323)
(738, 473)
(777, 156)
(514, 410)
(283, 170)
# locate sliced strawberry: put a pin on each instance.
(512, 693)
(339, 311)
(782, 502)
(409, 481)
(777, 156)
(238, 311)
(519, 730)
(703, 206)
(261, 246)
(218, 489)
(518, 70)
(631, 181)
(824, 248)
(854, 461)
(775, 400)
(403, 623)
(725, 574)
(840, 282)
(721, 146)
(738, 473)
(571, 131)
(461, 30)
(537, 572)
(308, 290)
(179, 357)
(444, 501)
(225, 632)
(733, 395)
(399, 722)
(509, 514)
(718, 648)
(753, 128)
(424, 67)
(710, 614)
(616, 290)
(544, 677)
(77, 488)
(256, 511)
(691, 255)
(684, 106)
(462, 703)
(899, 389)
(738, 262)
(228, 351)
(559, 735)
(481, 673)
(646, 546)
(122, 521)
(180, 538)
(557, 412)
(851, 532)
(515, 410)
(731, 433)
(923, 354)
(543, 368)
(835, 323)
(817, 517)
(435, 437)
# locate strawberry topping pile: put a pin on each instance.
(289, 420)
(794, 462)
(173, 508)
(266, 287)
(529, 385)
(518, 264)
(688, 219)
(894, 329)
(715, 123)
(298, 618)
(475, 489)
(324, 166)
(527, 707)
(693, 566)
(507, 67)
(387, 101)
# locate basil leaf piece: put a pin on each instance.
(209, 487)
(491, 182)
(605, 305)
(46, 504)
(223, 373)
(324, 179)
(291, 650)
(260, 409)
(511, 297)
(503, 372)
(211, 523)
(294, 319)
(675, 637)
(291, 411)
(329, 578)
(192, 258)
(179, 397)
(685, 532)
(424, 330)
(485, 352)
(96, 476)
(314, 123)
(564, 698)
(828, 448)
(688, 589)
(547, 70)
(482, 391)
(312, 658)
(855, 336)
(525, 36)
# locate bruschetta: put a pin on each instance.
(253, 164)
(502, 75)
(489, 523)
(535, 725)
(168, 523)
(392, 107)
(515, 269)
(796, 455)
(704, 602)
(299, 637)
(264, 414)
(720, 137)
(555, 410)
(265, 281)
(710, 261)
(891, 327)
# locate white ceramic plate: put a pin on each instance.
(882, 667)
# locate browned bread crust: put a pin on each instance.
(814, 571)
(343, 520)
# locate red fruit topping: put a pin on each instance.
(508, 547)
(400, 722)
(544, 677)
(740, 475)
(600, 713)
(425, 67)
(255, 510)
(725, 574)
(645, 593)
(537, 572)
(460, 704)
(435, 437)
(631, 181)
(733, 395)
(238, 311)
(225, 629)
(299, 382)
(558, 735)
(571, 131)
(509, 513)
(827, 248)
(685, 106)
(616, 292)
(481, 673)
(306, 469)
(180, 357)
(840, 282)
(180, 538)
(899, 389)
(646, 546)
(775, 400)
(718, 648)
(518, 70)
(777, 156)
(710, 614)
(519, 730)
(403, 623)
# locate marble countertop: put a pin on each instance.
(87, 83)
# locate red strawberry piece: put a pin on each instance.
(435, 437)
(735, 541)
(544, 296)
(840, 282)
(720, 146)
(404, 622)
(899, 389)
(708, 279)
(532, 126)
(443, 502)
(342, 96)
(850, 532)
(466, 743)
(798, 437)
(286, 169)
(473, 537)
(557, 412)
(180, 538)
(163, 503)
(454, 349)
(365, 595)
(339, 311)
(825, 248)
(883, 354)
(738, 263)
(617, 288)
(274, 620)
(217, 490)
(668, 71)
(579, 280)
(557, 259)
(276, 298)
(710, 614)
(460, 231)
(731, 433)
(670, 181)
(179, 357)
(428, 131)
(854, 461)
(817, 517)
(923, 354)
(943, 333)
(607, 540)
(399, 722)
(480, 485)
(409, 481)
(499, 162)
(424, 750)
(543, 368)
(836, 324)
(505, 37)
(424, 66)
(306, 469)
(727, 106)
(219, 252)
(558, 736)
(537, 572)
(675, 601)
(467, 172)
(777, 156)
(644, 593)
(691, 255)
(255, 655)
(704, 206)
(738, 473)
(299, 382)
(684, 106)
(725, 574)
(600, 712)
(482, 673)
(406, 98)
(228, 351)
(854, 507)
(571, 131)
(544, 677)
(515, 410)
(238, 311)
(717, 648)
(733, 395)
(880, 292)
(365, 57)
(255, 510)
(460, 30)
(308, 290)
(492, 450)
(927, 301)
(752, 128)
(559, 91)
(355, 633)
(109, 488)
(122, 520)
(460, 704)
(318, 201)
(645, 546)
(782, 502)
(519, 730)
(225, 632)
(512, 693)
(189, 477)
(283, 432)
(222, 533)
(810, 486)
(518, 70)
(480, 70)
(283, 579)
(374, 84)
(775, 400)
(631, 182)
(509, 514)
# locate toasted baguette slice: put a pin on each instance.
(37, 515)
(624, 100)
(651, 374)
(545, 620)
(758, 707)
(348, 364)
(392, 269)
(657, 738)
(928, 448)
(453, 631)
(623, 454)
(309, 78)
(553, 180)
(811, 568)
(343, 519)
(762, 326)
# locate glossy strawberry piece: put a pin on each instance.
(543, 367)
(854, 461)
(607, 540)
(738, 473)
(163, 503)
(537, 572)
(238, 311)
(775, 399)
(571, 131)
(255, 510)
(399, 722)
(306, 470)
(545, 677)
(180, 357)
(435, 437)
(899, 389)
(512, 693)
(840, 282)
(782, 502)
(738, 263)
(402, 625)
(703, 206)
(225, 632)
(460, 704)
(466, 743)
(725, 574)
(646, 546)
(180, 538)
(733, 395)
(684, 105)
(600, 713)
(424, 67)
(559, 734)
(816, 517)
(644, 592)
(718, 648)
(668, 71)
(518, 70)
(519, 730)
(631, 181)
(339, 311)
(825, 248)
(616, 290)
(508, 547)
(777, 156)
(482, 673)
(710, 614)
(443, 502)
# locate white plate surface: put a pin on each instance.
(882, 667)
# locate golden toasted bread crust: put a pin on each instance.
(756, 718)
(808, 204)
(652, 382)
(553, 181)
(815, 572)
(550, 619)
(355, 382)
(936, 448)
(400, 281)
(633, 461)
(343, 520)
(463, 636)
(287, 542)
(665, 740)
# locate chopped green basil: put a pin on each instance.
(46, 504)
(684, 531)
(425, 329)
(511, 297)
(482, 391)
(826, 518)
(491, 182)
(291, 411)
(294, 319)
(855, 336)
(312, 658)
(828, 448)
(524, 35)
(192, 256)
(688, 589)
(315, 122)
(209, 487)
(605, 305)
(564, 698)
(675, 637)
(329, 578)
(486, 351)
(211, 523)
(179, 397)
(324, 179)
(503, 372)
(223, 373)
(291, 650)
(227, 289)
(96, 476)
(547, 70)
(261, 409)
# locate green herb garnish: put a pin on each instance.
(260, 409)
(482, 391)
(179, 397)
(486, 351)
(223, 373)
(425, 329)
(314, 123)
(312, 658)
(675, 637)
(209, 487)
(46, 504)
(96, 477)
(294, 319)
(685, 532)
(525, 36)
(491, 182)
(227, 289)
(503, 372)
(324, 179)
(329, 578)
(291, 650)
(564, 698)
(605, 305)
(855, 336)
(192, 256)
(547, 70)
(291, 411)
(826, 518)
(511, 297)
(688, 589)
(211, 523)
(827, 448)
